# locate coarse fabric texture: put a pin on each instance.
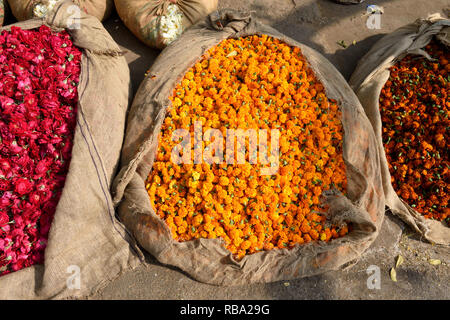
(368, 79)
(348, 1)
(207, 260)
(85, 233)
(25, 9)
(144, 17)
(2, 12)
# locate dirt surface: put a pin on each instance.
(320, 24)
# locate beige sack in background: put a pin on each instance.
(145, 18)
(85, 233)
(2, 12)
(207, 260)
(370, 75)
(28, 9)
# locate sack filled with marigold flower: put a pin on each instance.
(403, 85)
(159, 22)
(315, 206)
(64, 94)
(28, 9)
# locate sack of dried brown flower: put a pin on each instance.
(400, 85)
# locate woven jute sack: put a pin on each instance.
(2, 12)
(156, 24)
(28, 9)
(368, 79)
(85, 240)
(207, 260)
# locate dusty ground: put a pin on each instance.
(320, 24)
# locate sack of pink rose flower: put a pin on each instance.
(28, 9)
(63, 99)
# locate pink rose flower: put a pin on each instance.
(23, 186)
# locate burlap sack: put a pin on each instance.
(348, 1)
(2, 12)
(85, 232)
(207, 260)
(370, 75)
(101, 9)
(141, 16)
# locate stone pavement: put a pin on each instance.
(320, 24)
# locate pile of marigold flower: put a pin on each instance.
(256, 82)
(39, 73)
(415, 116)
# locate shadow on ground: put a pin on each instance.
(138, 55)
(322, 24)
